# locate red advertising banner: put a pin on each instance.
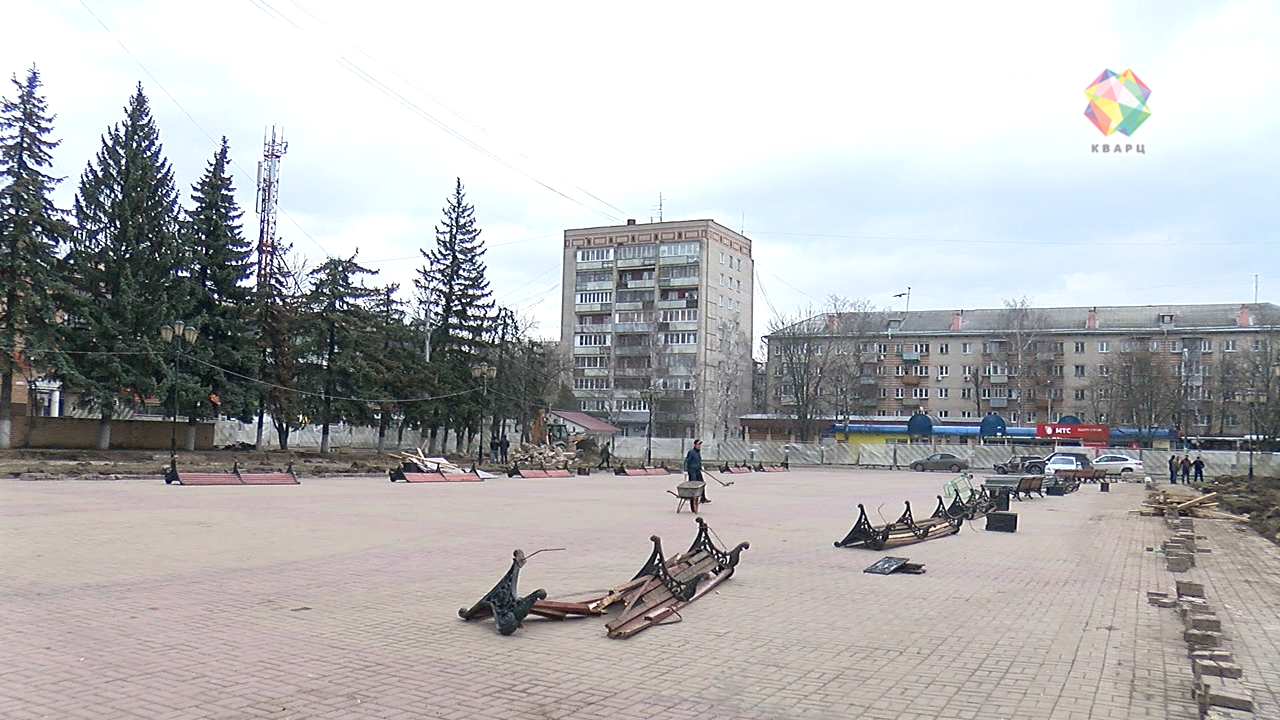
(1074, 432)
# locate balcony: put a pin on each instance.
(637, 262)
(591, 350)
(605, 328)
(633, 351)
(911, 402)
(633, 327)
(998, 402)
(867, 380)
(910, 379)
(911, 357)
(868, 402)
(678, 282)
(998, 379)
(636, 284)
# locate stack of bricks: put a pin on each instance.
(1180, 550)
(1218, 690)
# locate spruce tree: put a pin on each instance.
(218, 294)
(32, 230)
(337, 345)
(125, 260)
(455, 291)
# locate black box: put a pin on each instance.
(1002, 521)
(1055, 490)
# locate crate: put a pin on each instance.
(1002, 521)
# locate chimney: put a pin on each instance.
(631, 221)
(833, 322)
(1243, 319)
(1092, 322)
(957, 319)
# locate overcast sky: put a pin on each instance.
(864, 147)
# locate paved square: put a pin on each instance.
(338, 598)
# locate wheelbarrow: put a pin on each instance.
(689, 492)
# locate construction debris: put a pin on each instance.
(1175, 501)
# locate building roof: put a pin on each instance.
(591, 424)
(1105, 318)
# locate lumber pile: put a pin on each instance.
(540, 456)
(415, 461)
(1185, 502)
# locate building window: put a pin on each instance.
(942, 413)
(687, 315)
(1206, 346)
(942, 393)
(966, 348)
(1078, 394)
(899, 393)
(966, 413)
(922, 371)
(1258, 345)
(590, 340)
(1154, 346)
(591, 361)
(591, 383)
(966, 393)
(1057, 348)
(1104, 346)
(1166, 319)
(633, 316)
(944, 371)
(595, 254)
(1103, 371)
(1079, 371)
(680, 338)
(920, 393)
(637, 252)
(1079, 348)
(677, 249)
(631, 405)
(594, 298)
(594, 405)
(676, 272)
(1228, 345)
(944, 348)
(884, 392)
(1056, 370)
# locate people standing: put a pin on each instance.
(1198, 465)
(693, 466)
(493, 450)
(1173, 469)
(504, 445)
(1186, 469)
(605, 456)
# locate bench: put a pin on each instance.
(903, 531)
(518, 471)
(1016, 485)
(201, 478)
(434, 477)
(267, 478)
(641, 471)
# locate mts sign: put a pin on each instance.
(1074, 432)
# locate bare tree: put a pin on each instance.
(1020, 352)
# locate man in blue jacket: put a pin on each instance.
(693, 466)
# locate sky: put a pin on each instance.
(865, 148)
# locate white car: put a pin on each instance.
(1117, 464)
(1061, 462)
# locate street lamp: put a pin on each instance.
(181, 336)
(1251, 397)
(650, 396)
(484, 372)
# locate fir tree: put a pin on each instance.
(454, 283)
(31, 232)
(336, 341)
(218, 295)
(455, 292)
(125, 261)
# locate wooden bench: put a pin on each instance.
(1016, 485)
(434, 477)
(1091, 475)
(903, 531)
(201, 478)
(267, 478)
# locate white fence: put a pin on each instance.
(671, 451)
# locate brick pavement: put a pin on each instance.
(338, 598)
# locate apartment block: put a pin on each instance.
(657, 320)
(1205, 363)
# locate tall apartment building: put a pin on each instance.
(1198, 368)
(657, 318)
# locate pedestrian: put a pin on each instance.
(504, 445)
(693, 466)
(1199, 468)
(493, 450)
(1186, 469)
(605, 456)
(1173, 469)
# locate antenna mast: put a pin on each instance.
(268, 201)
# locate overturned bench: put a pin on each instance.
(540, 472)
(235, 477)
(623, 470)
(400, 474)
(903, 531)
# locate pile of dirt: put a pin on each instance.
(1259, 499)
(109, 464)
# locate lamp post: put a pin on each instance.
(181, 337)
(650, 397)
(1251, 397)
(484, 372)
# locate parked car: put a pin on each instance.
(1062, 462)
(1082, 460)
(941, 461)
(1029, 464)
(1117, 464)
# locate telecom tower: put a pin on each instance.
(267, 201)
